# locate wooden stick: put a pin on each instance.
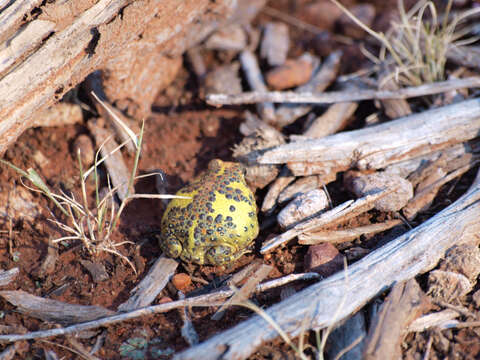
(285, 97)
(147, 290)
(207, 300)
(401, 259)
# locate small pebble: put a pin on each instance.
(293, 73)
(87, 152)
(231, 37)
(323, 259)
(362, 185)
(302, 207)
(181, 281)
(164, 300)
(275, 43)
(224, 80)
(463, 259)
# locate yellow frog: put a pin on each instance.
(217, 224)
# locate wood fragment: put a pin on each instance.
(255, 80)
(334, 216)
(381, 145)
(404, 304)
(275, 43)
(53, 310)
(437, 319)
(340, 236)
(275, 189)
(151, 285)
(7, 276)
(415, 252)
(291, 97)
(116, 167)
(336, 118)
(393, 108)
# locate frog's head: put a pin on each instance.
(219, 166)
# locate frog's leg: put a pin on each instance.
(170, 245)
(223, 254)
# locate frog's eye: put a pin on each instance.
(243, 169)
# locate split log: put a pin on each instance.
(333, 299)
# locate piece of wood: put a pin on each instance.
(275, 43)
(440, 319)
(404, 304)
(381, 145)
(147, 290)
(345, 293)
(53, 310)
(6, 277)
(341, 236)
(255, 80)
(291, 97)
(116, 167)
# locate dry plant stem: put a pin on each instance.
(255, 80)
(6, 277)
(381, 145)
(341, 96)
(341, 236)
(403, 258)
(213, 299)
(147, 290)
(338, 214)
(8, 353)
(94, 88)
(404, 304)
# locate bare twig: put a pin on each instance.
(341, 96)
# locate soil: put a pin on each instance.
(181, 137)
